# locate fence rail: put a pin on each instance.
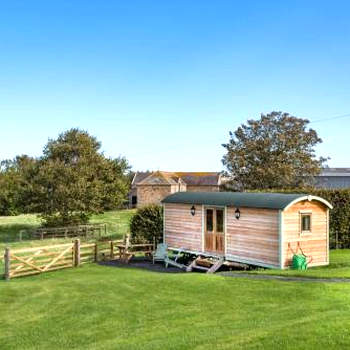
(66, 232)
(30, 261)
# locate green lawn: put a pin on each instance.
(101, 307)
(339, 267)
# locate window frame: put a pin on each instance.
(305, 232)
(214, 208)
(212, 220)
(216, 220)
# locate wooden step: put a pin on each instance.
(189, 268)
(216, 266)
(205, 264)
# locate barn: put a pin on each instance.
(262, 229)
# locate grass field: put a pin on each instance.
(117, 225)
(103, 307)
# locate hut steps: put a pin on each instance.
(203, 264)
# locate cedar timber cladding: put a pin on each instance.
(254, 237)
(267, 232)
(181, 229)
(314, 244)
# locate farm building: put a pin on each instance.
(333, 178)
(152, 187)
(263, 229)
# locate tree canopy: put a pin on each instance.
(275, 151)
(16, 187)
(76, 180)
(69, 182)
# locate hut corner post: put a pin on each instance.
(281, 241)
(163, 224)
(7, 258)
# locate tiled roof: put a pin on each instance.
(200, 179)
(140, 176)
(159, 178)
(190, 178)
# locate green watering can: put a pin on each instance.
(299, 262)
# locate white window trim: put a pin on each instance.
(305, 233)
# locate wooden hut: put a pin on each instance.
(263, 229)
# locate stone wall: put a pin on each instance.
(152, 194)
(204, 188)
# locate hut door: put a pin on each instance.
(214, 230)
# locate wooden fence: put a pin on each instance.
(30, 261)
(66, 232)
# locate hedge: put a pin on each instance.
(147, 224)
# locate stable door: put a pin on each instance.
(214, 230)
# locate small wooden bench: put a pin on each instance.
(128, 250)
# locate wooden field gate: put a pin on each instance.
(30, 261)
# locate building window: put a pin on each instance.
(219, 220)
(305, 222)
(134, 200)
(210, 221)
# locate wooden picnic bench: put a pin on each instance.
(128, 250)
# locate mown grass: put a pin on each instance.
(102, 307)
(117, 222)
(339, 267)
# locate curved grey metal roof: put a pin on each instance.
(241, 199)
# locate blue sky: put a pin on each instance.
(163, 82)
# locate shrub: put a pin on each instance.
(147, 224)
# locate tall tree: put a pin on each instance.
(17, 194)
(275, 151)
(76, 180)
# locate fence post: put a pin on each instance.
(112, 249)
(96, 252)
(77, 252)
(7, 257)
